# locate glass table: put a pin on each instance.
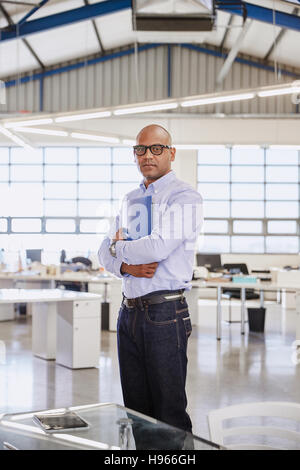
(111, 427)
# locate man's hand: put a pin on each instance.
(139, 270)
(119, 235)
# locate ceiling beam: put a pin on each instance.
(33, 53)
(96, 30)
(227, 30)
(278, 38)
(233, 53)
(266, 15)
(87, 12)
(13, 2)
(32, 11)
(11, 23)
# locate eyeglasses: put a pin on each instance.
(155, 149)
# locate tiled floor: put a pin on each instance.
(254, 367)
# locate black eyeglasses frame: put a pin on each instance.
(146, 147)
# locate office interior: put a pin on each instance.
(74, 93)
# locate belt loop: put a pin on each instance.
(140, 303)
(182, 296)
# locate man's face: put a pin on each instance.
(152, 166)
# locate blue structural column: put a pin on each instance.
(42, 93)
(169, 71)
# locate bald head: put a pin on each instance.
(150, 165)
(155, 131)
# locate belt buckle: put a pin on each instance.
(131, 303)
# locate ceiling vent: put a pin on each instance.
(173, 15)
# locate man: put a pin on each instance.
(154, 323)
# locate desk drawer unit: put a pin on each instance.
(78, 333)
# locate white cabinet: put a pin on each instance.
(7, 312)
(44, 330)
(78, 334)
(292, 279)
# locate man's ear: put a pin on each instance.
(173, 153)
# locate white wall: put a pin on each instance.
(185, 166)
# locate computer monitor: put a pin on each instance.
(209, 260)
(34, 255)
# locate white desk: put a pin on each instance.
(109, 287)
(66, 325)
(193, 295)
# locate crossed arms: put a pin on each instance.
(140, 258)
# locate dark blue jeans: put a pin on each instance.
(152, 347)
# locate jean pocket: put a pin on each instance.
(160, 314)
(187, 325)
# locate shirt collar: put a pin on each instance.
(160, 183)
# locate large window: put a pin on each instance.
(251, 199)
(61, 198)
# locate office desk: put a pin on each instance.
(112, 427)
(192, 298)
(109, 287)
(65, 324)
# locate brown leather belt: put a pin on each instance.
(150, 299)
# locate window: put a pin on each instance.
(26, 225)
(62, 197)
(256, 191)
(214, 191)
(287, 226)
(247, 226)
(3, 225)
(60, 225)
(94, 173)
(4, 156)
(247, 244)
(94, 226)
(215, 226)
(247, 191)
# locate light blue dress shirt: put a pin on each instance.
(177, 222)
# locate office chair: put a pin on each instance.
(81, 259)
(258, 427)
(236, 268)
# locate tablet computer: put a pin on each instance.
(58, 422)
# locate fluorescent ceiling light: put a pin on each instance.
(279, 91)
(217, 99)
(34, 122)
(81, 117)
(98, 138)
(15, 138)
(34, 130)
(145, 109)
